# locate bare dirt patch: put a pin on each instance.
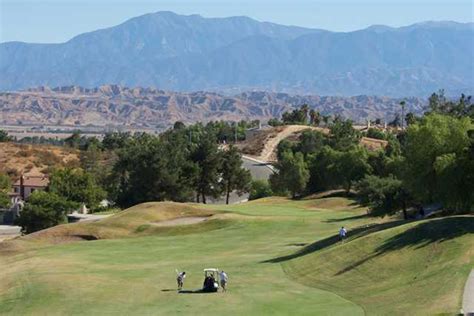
(263, 145)
(16, 159)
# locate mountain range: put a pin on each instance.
(237, 54)
(153, 108)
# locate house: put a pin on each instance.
(27, 184)
(22, 189)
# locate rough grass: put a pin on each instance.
(135, 221)
(252, 242)
(418, 267)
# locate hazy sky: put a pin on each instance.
(48, 21)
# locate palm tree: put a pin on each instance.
(402, 104)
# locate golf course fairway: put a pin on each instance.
(282, 258)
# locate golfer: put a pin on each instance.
(180, 279)
(224, 278)
(342, 233)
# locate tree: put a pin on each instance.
(90, 159)
(314, 117)
(5, 183)
(260, 189)
(292, 174)
(207, 158)
(439, 104)
(378, 162)
(297, 116)
(397, 121)
(402, 117)
(43, 210)
(310, 141)
(74, 140)
(4, 200)
(326, 119)
(351, 166)
(112, 141)
(410, 118)
(179, 125)
(384, 195)
(234, 176)
(456, 181)
(284, 146)
(343, 135)
(76, 185)
(4, 136)
(152, 169)
(321, 170)
(274, 122)
(375, 133)
(435, 136)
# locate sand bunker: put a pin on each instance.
(181, 221)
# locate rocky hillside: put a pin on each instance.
(235, 54)
(150, 107)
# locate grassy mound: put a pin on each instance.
(415, 268)
(135, 221)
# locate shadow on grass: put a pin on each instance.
(419, 236)
(329, 241)
(297, 244)
(200, 291)
(349, 218)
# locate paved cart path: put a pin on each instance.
(468, 299)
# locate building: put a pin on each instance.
(27, 184)
(22, 189)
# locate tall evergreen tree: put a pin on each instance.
(208, 160)
(292, 174)
(234, 176)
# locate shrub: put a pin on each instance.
(43, 210)
(260, 189)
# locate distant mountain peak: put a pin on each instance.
(191, 52)
(378, 28)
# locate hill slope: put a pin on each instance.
(387, 267)
(150, 107)
(16, 159)
(424, 262)
(179, 52)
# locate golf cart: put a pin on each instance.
(211, 277)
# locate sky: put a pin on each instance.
(56, 21)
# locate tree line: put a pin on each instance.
(431, 161)
(185, 163)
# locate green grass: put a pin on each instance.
(419, 267)
(281, 257)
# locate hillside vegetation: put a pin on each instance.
(35, 159)
(263, 146)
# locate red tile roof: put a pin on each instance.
(33, 181)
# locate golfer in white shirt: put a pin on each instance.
(224, 278)
(342, 233)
